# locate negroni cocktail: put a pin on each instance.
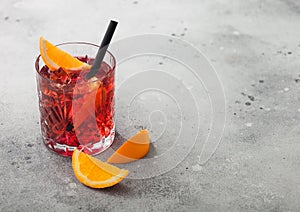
(76, 111)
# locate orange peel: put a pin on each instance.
(133, 149)
(94, 173)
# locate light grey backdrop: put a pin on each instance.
(255, 48)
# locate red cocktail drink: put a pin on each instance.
(76, 112)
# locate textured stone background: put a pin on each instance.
(255, 48)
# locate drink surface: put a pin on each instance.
(75, 112)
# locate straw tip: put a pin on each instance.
(114, 21)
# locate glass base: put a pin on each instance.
(91, 149)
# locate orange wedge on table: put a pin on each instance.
(133, 149)
(56, 58)
(94, 173)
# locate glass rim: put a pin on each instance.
(37, 65)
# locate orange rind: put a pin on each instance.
(94, 173)
(133, 149)
(56, 58)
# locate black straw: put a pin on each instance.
(102, 50)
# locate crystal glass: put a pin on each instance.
(76, 112)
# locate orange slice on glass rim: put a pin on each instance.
(94, 173)
(133, 149)
(56, 58)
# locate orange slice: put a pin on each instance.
(93, 102)
(94, 173)
(56, 58)
(133, 149)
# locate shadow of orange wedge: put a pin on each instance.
(133, 149)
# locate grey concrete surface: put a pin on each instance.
(255, 48)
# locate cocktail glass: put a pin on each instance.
(76, 112)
